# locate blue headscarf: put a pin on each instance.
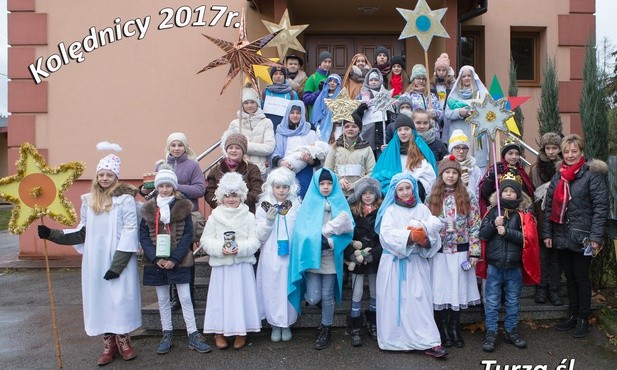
(305, 251)
(283, 132)
(389, 162)
(389, 198)
(321, 115)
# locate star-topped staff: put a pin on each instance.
(383, 102)
(342, 106)
(490, 116)
(425, 24)
(287, 37)
(37, 190)
(242, 55)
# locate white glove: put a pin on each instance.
(271, 214)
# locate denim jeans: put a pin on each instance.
(320, 287)
(512, 280)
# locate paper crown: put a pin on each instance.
(512, 176)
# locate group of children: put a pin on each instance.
(409, 222)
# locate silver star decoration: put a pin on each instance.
(383, 102)
(489, 116)
(423, 23)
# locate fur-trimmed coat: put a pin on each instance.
(181, 234)
(587, 210)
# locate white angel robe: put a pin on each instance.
(404, 298)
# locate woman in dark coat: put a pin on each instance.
(575, 220)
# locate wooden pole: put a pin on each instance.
(53, 304)
(428, 86)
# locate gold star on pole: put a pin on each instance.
(242, 55)
(287, 37)
(489, 116)
(38, 190)
(342, 106)
(423, 23)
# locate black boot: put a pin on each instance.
(567, 324)
(324, 338)
(371, 323)
(455, 334)
(441, 318)
(174, 300)
(555, 298)
(515, 339)
(540, 295)
(582, 328)
(356, 331)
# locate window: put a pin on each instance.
(472, 49)
(525, 50)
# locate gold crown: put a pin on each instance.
(511, 175)
(510, 141)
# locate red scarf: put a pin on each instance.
(397, 84)
(562, 191)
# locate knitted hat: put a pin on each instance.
(248, 93)
(510, 144)
(323, 56)
(362, 185)
(550, 138)
(447, 162)
(358, 114)
(404, 120)
(281, 69)
(404, 100)
(325, 176)
(458, 137)
(443, 61)
(165, 175)
(295, 57)
(237, 139)
(418, 71)
(380, 50)
(511, 179)
(398, 60)
(110, 162)
(231, 183)
(181, 137)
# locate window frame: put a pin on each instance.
(535, 36)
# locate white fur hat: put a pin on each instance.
(110, 162)
(231, 183)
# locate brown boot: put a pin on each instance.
(240, 342)
(220, 342)
(124, 347)
(110, 351)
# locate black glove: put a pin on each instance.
(324, 243)
(44, 231)
(110, 275)
(321, 85)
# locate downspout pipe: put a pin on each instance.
(480, 7)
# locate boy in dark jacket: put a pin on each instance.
(502, 230)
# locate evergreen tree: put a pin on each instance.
(513, 91)
(594, 107)
(549, 119)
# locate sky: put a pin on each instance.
(604, 28)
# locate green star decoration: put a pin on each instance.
(423, 23)
(287, 37)
(489, 116)
(342, 106)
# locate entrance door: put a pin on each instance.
(344, 47)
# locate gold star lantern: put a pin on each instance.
(489, 116)
(342, 106)
(287, 37)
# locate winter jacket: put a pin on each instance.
(587, 210)
(505, 252)
(250, 174)
(259, 133)
(342, 160)
(365, 233)
(191, 181)
(181, 235)
(239, 220)
(439, 149)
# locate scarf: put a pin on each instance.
(321, 115)
(384, 68)
(405, 203)
(562, 191)
(231, 164)
(163, 204)
(428, 136)
(404, 148)
(468, 163)
(284, 131)
(292, 75)
(465, 93)
(396, 83)
(283, 88)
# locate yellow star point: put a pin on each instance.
(287, 37)
(423, 23)
(37, 190)
(342, 106)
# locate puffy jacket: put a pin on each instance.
(365, 233)
(587, 209)
(250, 174)
(505, 252)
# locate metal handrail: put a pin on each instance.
(208, 151)
(212, 165)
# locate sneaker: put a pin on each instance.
(197, 343)
(540, 296)
(437, 352)
(276, 334)
(516, 340)
(567, 324)
(166, 343)
(489, 341)
(555, 298)
(582, 328)
(286, 334)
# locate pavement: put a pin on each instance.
(27, 340)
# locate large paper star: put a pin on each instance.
(342, 106)
(513, 102)
(263, 72)
(38, 190)
(287, 37)
(423, 23)
(383, 102)
(489, 116)
(242, 55)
